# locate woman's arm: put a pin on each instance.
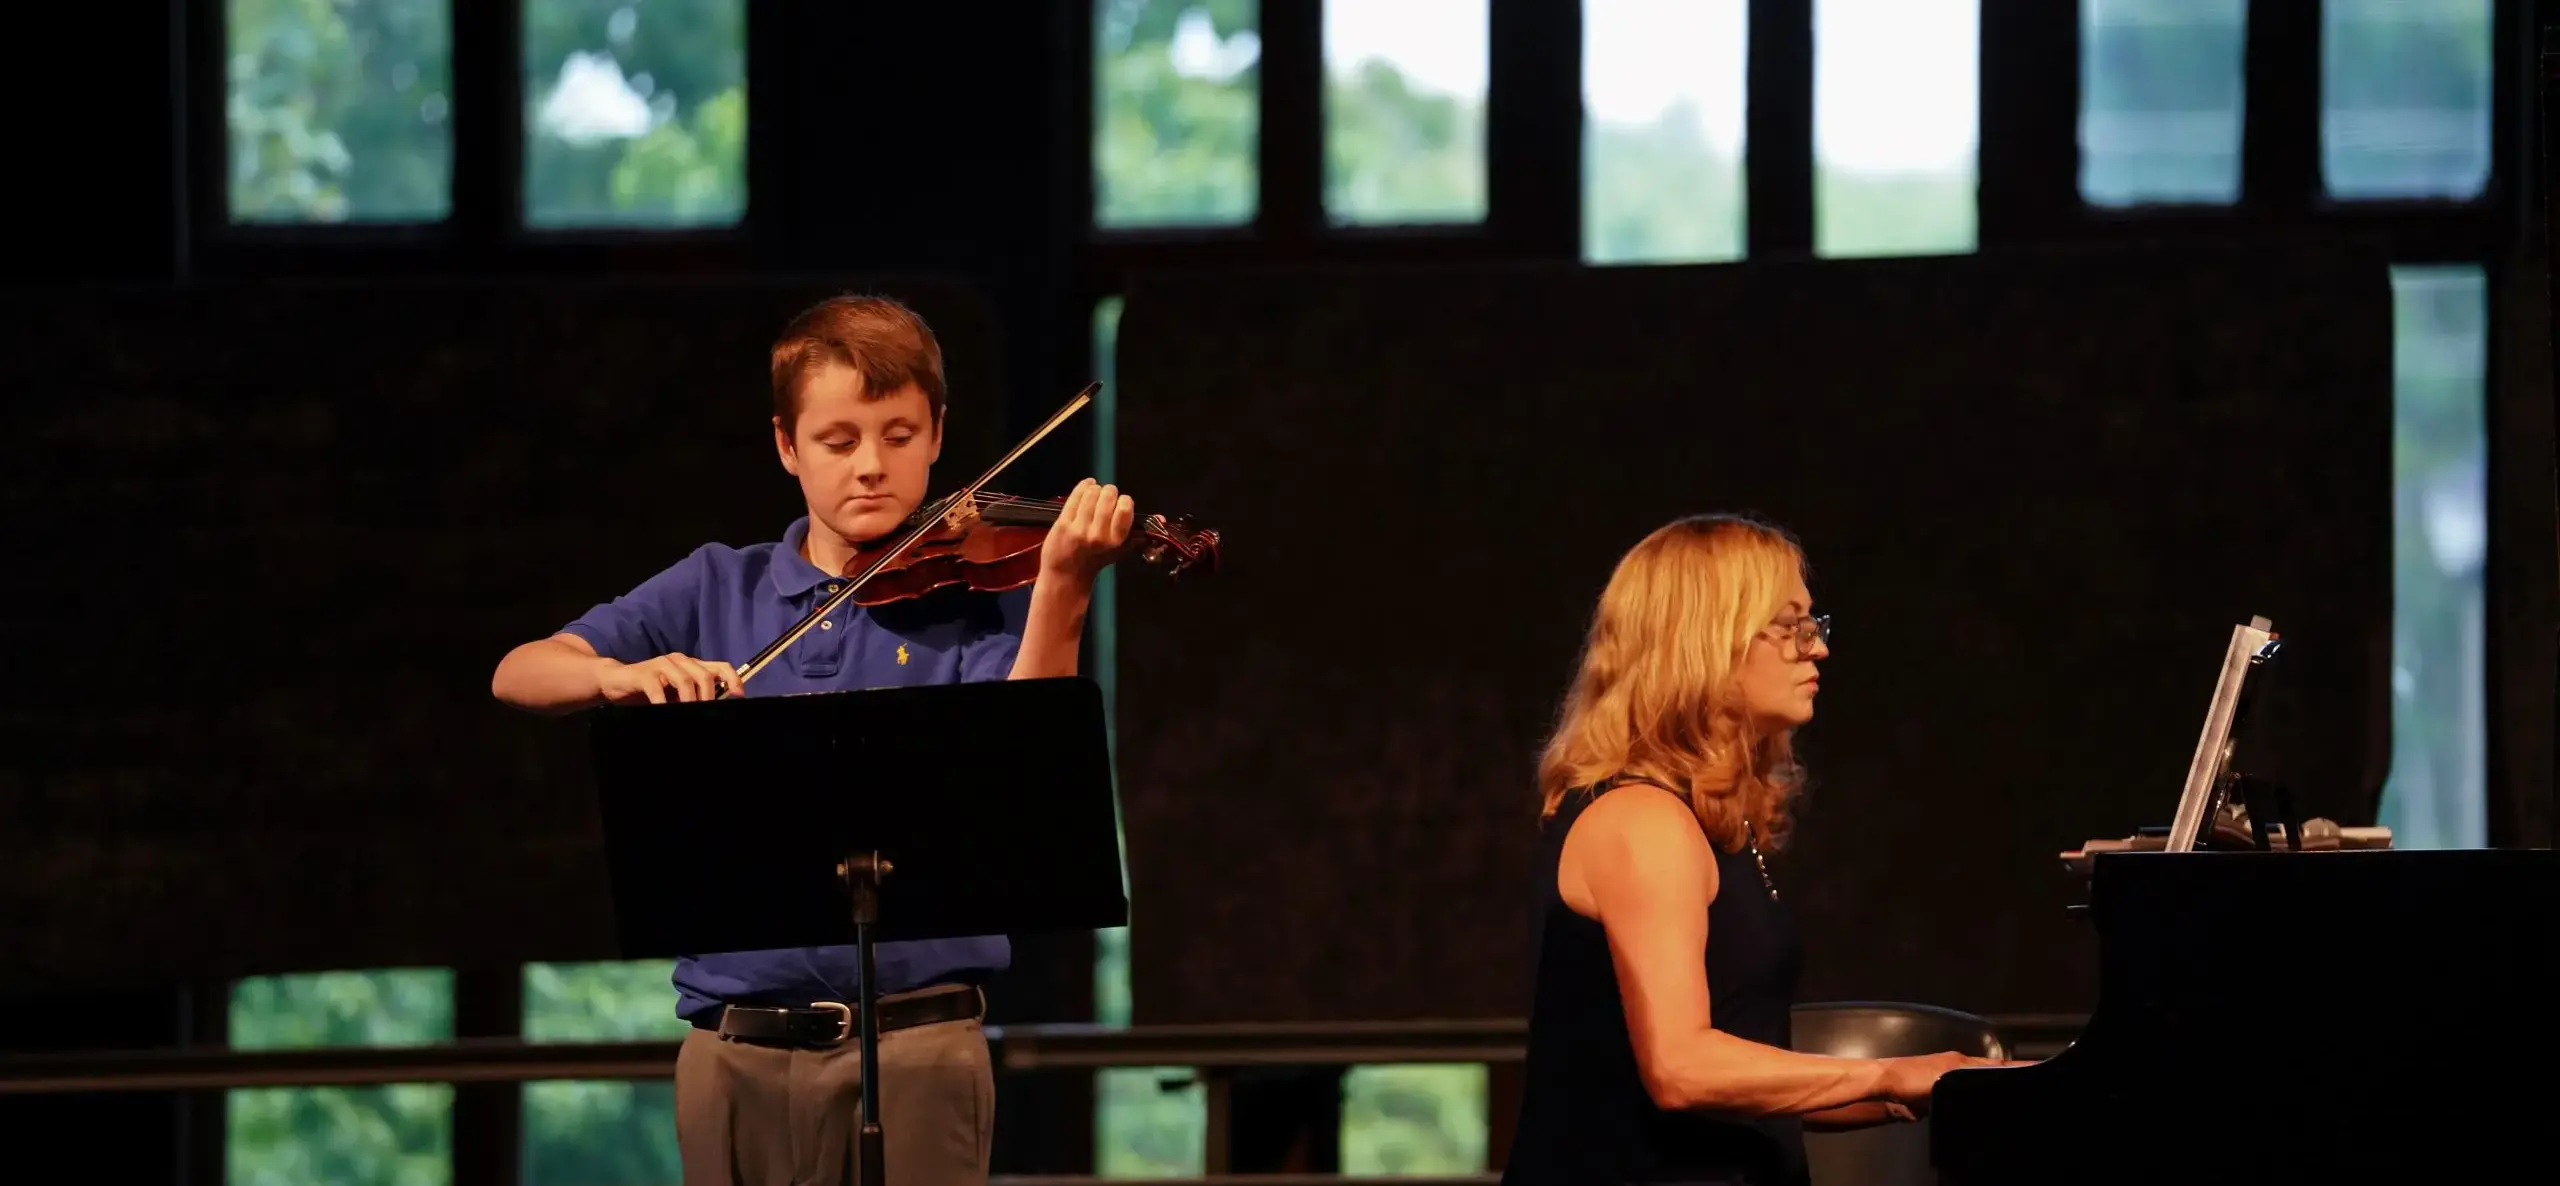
(1639, 864)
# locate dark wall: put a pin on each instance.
(2524, 555)
(899, 137)
(275, 538)
(2038, 490)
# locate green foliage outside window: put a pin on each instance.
(342, 111)
(2436, 796)
(399, 1134)
(1177, 107)
(1658, 192)
(1396, 152)
(339, 110)
(609, 1133)
(2404, 97)
(636, 112)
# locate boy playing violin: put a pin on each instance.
(767, 1088)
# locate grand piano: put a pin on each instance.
(2283, 1000)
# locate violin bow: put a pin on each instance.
(925, 525)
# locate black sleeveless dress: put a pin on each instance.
(1585, 1118)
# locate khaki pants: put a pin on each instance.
(754, 1115)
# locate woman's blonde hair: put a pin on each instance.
(1657, 695)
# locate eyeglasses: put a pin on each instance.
(1806, 631)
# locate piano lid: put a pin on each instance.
(2280, 1000)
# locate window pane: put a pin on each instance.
(339, 112)
(1662, 97)
(1111, 1004)
(615, 1133)
(2161, 100)
(1177, 108)
(2438, 793)
(609, 1133)
(1149, 1122)
(2404, 98)
(635, 114)
(1424, 1119)
(600, 1134)
(1894, 97)
(615, 1001)
(1404, 111)
(401, 1132)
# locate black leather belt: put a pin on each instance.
(827, 1023)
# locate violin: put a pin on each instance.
(991, 543)
(987, 542)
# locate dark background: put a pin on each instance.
(281, 496)
(2038, 488)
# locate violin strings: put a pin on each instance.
(1012, 500)
(1015, 500)
(937, 507)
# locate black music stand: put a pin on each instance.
(828, 818)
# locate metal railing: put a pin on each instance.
(1017, 1049)
(1213, 1054)
(1247, 1180)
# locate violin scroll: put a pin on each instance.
(1176, 544)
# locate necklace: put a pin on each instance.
(1758, 860)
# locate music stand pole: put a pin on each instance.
(862, 874)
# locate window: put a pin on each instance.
(1424, 1119)
(1177, 108)
(635, 113)
(1404, 98)
(2404, 98)
(1149, 1122)
(600, 1133)
(2437, 796)
(400, 1132)
(1662, 100)
(1894, 126)
(339, 112)
(2161, 100)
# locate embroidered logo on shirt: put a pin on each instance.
(902, 654)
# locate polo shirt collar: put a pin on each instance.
(793, 575)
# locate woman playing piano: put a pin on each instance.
(1658, 1041)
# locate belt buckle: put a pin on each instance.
(844, 1014)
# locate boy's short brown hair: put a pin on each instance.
(882, 340)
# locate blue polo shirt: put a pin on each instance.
(725, 604)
